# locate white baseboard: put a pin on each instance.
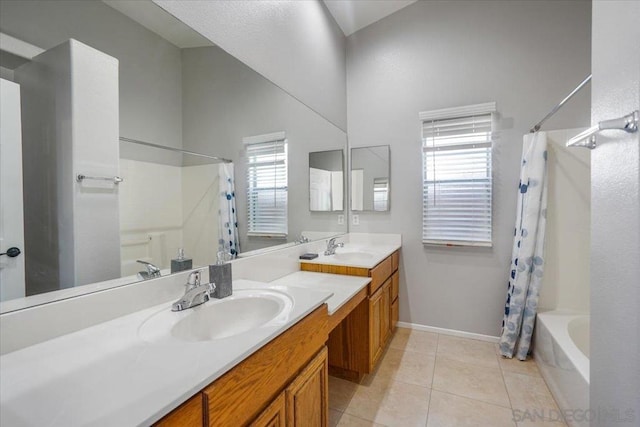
(452, 332)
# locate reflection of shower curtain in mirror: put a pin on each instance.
(227, 218)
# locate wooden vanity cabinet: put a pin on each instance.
(379, 322)
(281, 384)
(274, 416)
(357, 342)
(305, 402)
(307, 397)
(395, 288)
(189, 414)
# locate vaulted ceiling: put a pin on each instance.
(352, 15)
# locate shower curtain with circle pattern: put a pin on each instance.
(527, 261)
(229, 240)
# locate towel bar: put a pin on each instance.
(115, 179)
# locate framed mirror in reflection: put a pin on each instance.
(370, 186)
(326, 181)
(123, 92)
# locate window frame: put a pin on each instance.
(469, 111)
(254, 228)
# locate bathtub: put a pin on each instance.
(561, 350)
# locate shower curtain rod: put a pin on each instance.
(555, 109)
(177, 150)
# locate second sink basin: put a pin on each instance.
(245, 310)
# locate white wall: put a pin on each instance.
(526, 56)
(295, 44)
(150, 214)
(225, 101)
(200, 204)
(164, 208)
(615, 226)
(70, 95)
(566, 279)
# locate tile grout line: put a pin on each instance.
(504, 382)
(433, 376)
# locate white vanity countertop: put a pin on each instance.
(356, 254)
(343, 287)
(107, 375)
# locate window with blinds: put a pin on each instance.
(267, 186)
(456, 166)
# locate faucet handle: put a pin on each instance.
(193, 280)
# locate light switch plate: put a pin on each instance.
(340, 219)
(355, 219)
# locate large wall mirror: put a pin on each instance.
(133, 137)
(370, 186)
(326, 181)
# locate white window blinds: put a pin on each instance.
(457, 177)
(267, 187)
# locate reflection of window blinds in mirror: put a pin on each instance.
(380, 194)
(357, 189)
(267, 185)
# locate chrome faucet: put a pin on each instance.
(152, 271)
(332, 245)
(302, 239)
(195, 293)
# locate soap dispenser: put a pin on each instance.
(181, 263)
(220, 274)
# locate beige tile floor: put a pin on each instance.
(433, 380)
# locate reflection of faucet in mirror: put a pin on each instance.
(195, 293)
(332, 245)
(302, 239)
(152, 271)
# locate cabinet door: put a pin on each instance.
(395, 285)
(308, 395)
(385, 313)
(375, 322)
(394, 315)
(273, 416)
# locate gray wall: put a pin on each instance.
(328, 160)
(295, 44)
(525, 56)
(149, 66)
(615, 217)
(225, 101)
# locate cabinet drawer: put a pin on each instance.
(395, 260)
(379, 274)
(395, 285)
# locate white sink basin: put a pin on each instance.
(245, 310)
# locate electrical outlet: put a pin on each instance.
(355, 219)
(340, 219)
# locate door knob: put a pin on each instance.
(12, 252)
